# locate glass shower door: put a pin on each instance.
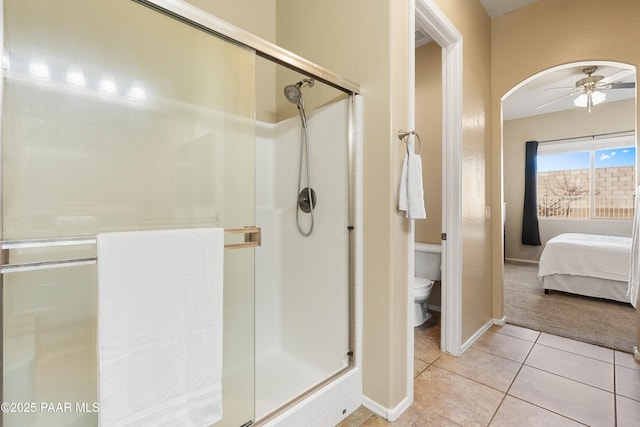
(115, 118)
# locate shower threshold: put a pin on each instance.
(282, 377)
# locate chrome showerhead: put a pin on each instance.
(293, 92)
(294, 95)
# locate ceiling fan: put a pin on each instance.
(590, 89)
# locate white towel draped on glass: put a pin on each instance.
(634, 273)
(160, 327)
(411, 198)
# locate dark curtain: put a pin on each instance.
(530, 232)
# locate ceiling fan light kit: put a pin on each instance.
(589, 99)
(590, 89)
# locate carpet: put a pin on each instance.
(597, 321)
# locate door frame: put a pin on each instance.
(445, 34)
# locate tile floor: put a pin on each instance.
(514, 376)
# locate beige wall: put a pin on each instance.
(543, 35)
(470, 18)
(429, 126)
(375, 57)
(366, 42)
(258, 18)
(606, 117)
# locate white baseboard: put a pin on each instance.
(523, 261)
(500, 322)
(386, 413)
(477, 335)
(434, 308)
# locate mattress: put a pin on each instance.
(587, 264)
(592, 255)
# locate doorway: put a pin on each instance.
(542, 108)
(434, 23)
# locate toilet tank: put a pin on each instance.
(428, 260)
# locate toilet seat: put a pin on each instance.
(421, 282)
(421, 287)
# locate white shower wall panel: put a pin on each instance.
(328, 406)
(302, 282)
(268, 305)
(265, 165)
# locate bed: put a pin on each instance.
(587, 264)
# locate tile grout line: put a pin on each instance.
(582, 354)
(570, 352)
(548, 410)
(504, 396)
(573, 379)
(506, 393)
(474, 380)
(614, 393)
(523, 364)
(526, 401)
(501, 356)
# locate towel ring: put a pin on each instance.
(404, 136)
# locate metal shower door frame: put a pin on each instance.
(213, 25)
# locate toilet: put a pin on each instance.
(421, 292)
(427, 270)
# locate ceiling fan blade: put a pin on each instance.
(563, 88)
(617, 76)
(622, 85)
(556, 100)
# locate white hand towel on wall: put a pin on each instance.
(160, 327)
(634, 273)
(411, 197)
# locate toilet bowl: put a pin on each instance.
(421, 292)
(428, 258)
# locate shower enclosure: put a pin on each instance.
(302, 286)
(102, 131)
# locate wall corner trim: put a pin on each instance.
(478, 334)
(390, 414)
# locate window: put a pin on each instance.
(589, 179)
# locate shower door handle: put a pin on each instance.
(252, 237)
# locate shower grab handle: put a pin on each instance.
(252, 238)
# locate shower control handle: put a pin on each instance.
(307, 200)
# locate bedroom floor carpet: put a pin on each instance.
(606, 323)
